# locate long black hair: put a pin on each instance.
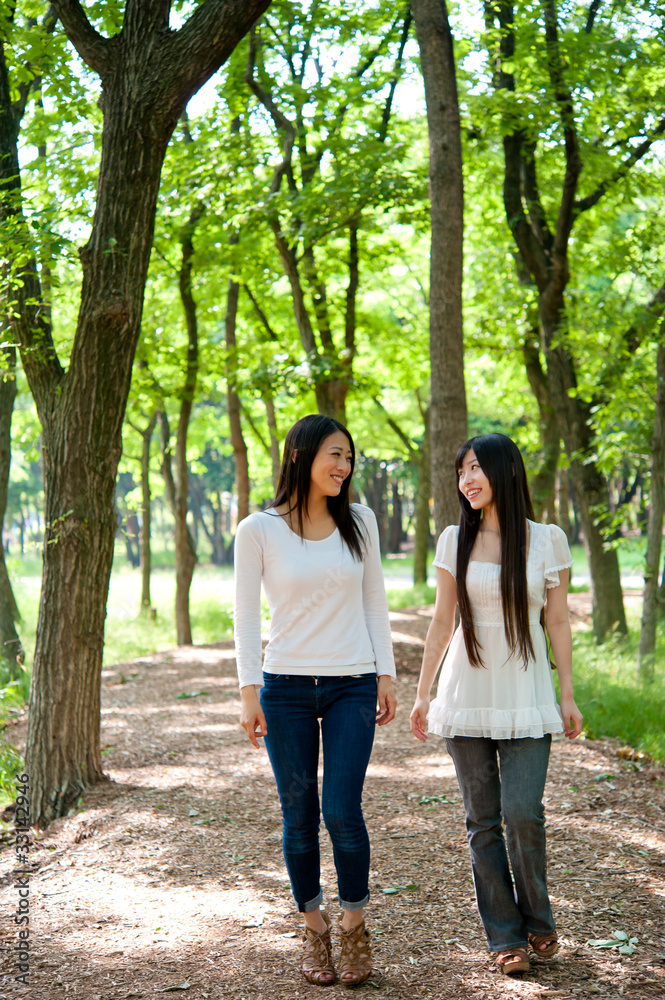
(501, 461)
(300, 448)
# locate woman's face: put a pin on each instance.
(331, 465)
(473, 482)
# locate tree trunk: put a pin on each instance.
(148, 74)
(647, 648)
(185, 547)
(591, 491)
(543, 482)
(396, 530)
(274, 437)
(563, 505)
(544, 253)
(422, 512)
(11, 650)
(233, 402)
(448, 397)
(146, 515)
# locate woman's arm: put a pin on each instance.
(375, 603)
(439, 635)
(248, 569)
(558, 629)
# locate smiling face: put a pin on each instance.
(331, 465)
(473, 483)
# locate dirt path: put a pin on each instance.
(169, 879)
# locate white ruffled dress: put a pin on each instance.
(501, 699)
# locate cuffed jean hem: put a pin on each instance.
(312, 904)
(497, 949)
(353, 906)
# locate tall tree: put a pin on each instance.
(542, 233)
(647, 647)
(332, 128)
(148, 73)
(185, 549)
(11, 649)
(448, 418)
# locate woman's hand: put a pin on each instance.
(252, 719)
(419, 719)
(387, 700)
(572, 718)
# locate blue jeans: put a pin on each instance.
(506, 778)
(346, 707)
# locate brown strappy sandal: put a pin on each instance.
(513, 960)
(551, 942)
(317, 966)
(355, 960)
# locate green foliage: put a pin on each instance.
(611, 699)
(14, 694)
(411, 597)
(11, 765)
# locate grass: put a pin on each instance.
(410, 597)
(612, 699)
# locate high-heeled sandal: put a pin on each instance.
(355, 960)
(317, 966)
(513, 960)
(550, 940)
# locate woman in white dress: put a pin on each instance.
(496, 704)
(328, 664)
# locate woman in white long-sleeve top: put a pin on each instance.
(327, 664)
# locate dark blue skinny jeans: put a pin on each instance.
(346, 706)
(505, 780)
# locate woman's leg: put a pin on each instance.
(523, 774)
(348, 720)
(475, 760)
(292, 743)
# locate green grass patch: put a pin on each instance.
(409, 597)
(611, 698)
(14, 693)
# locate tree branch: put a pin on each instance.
(394, 80)
(537, 216)
(394, 426)
(564, 102)
(21, 289)
(260, 313)
(591, 17)
(530, 247)
(319, 298)
(352, 290)
(285, 127)
(583, 204)
(207, 39)
(92, 47)
(259, 436)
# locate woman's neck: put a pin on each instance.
(490, 520)
(317, 508)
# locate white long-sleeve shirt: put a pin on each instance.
(328, 611)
